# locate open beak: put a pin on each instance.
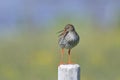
(60, 31)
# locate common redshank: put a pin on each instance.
(68, 39)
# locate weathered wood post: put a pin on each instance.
(69, 72)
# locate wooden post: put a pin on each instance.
(69, 72)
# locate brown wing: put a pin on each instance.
(62, 35)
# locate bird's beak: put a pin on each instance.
(60, 31)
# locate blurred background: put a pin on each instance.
(29, 41)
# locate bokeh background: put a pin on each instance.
(29, 41)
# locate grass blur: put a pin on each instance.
(35, 55)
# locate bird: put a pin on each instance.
(68, 38)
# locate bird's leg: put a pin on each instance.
(69, 58)
(62, 53)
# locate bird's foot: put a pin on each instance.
(61, 63)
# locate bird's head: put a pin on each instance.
(69, 27)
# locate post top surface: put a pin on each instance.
(69, 66)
